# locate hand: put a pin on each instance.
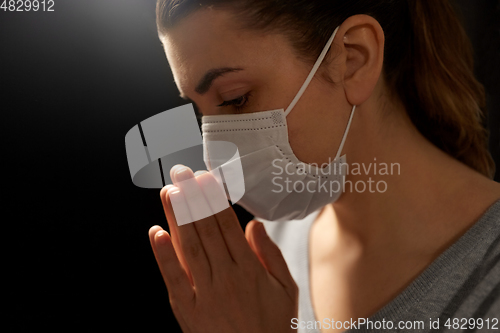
(218, 278)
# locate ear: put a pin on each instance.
(362, 41)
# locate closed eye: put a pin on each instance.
(238, 103)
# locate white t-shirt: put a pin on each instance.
(462, 283)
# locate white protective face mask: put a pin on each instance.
(278, 187)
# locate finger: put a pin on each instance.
(234, 236)
(173, 233)
(205, 223)
(250, 239)
(227, 220)
(151, 233)
(271, 255)
(174, 169)
(190, 244)
(173, 302)
(174, 276)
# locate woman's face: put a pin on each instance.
(225, 70)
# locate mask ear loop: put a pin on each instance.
(309, 79)
(313, 71)
(345, 132)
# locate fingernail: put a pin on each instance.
(173, 170)
(179, 205)
(200, 172)
(161, 237)
(183, 174)
(176, 196)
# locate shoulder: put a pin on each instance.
(479, 295)
(488, 240)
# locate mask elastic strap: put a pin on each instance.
(345, 133)
(311, 74)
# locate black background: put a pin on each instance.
(73, 82)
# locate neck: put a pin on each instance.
(401, 189)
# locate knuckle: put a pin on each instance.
(251, 270)
(206, 229)
(194, 196)
(176, 279)
(194, 250)
(174, 304)
(228, 282)
(227, 224)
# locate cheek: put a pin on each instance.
(315, 131)
(305, 137)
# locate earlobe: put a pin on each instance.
(363, 41)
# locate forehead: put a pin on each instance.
(210, 39)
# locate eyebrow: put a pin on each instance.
(206, 81)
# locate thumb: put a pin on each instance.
(269, 254)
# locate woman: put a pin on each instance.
(419, 247)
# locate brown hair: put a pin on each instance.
(428, 61)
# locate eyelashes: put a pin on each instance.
(238, 103)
